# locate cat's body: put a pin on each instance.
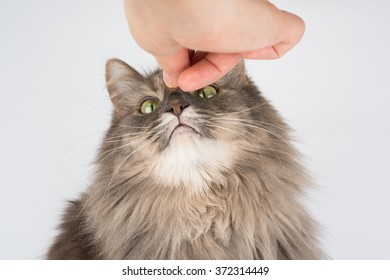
(184, 176)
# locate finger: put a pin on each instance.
(294, 28)
(264, 53)
(173, 65)
(273, 52)
(198, 56)
(207, 71)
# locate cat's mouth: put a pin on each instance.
(182, 129)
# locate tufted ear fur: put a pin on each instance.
(122, 80)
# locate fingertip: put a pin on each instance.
(187, 84)
(207, 71)
(170, 81)
(195, 78)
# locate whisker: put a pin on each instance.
(123, 137)
(128, 126)
(246, 109)
(253, 121)
(76, 143)
(118, 135)
(256, 137)
(107, 188)
(241, 134)
(249, 123)
(111, 151)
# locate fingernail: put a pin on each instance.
(169, 81)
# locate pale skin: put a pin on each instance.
(221, 31)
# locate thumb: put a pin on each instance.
(207, 70)
(173, 65)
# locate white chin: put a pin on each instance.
(183, 134)
(192, 160)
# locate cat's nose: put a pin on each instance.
(177, 106)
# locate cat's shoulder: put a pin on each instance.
(73, 242)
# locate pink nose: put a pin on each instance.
(176, 107)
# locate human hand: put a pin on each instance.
(221, 31)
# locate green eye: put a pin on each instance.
(148, 106)
(207, 92)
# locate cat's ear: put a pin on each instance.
(237, 75)
(122, 80)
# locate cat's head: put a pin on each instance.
(182, 138)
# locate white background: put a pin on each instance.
(333, 88)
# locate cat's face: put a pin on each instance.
(180, 138)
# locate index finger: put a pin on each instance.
(173, 65)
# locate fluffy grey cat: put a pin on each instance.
(209, 174)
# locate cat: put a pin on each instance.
(208, 174)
